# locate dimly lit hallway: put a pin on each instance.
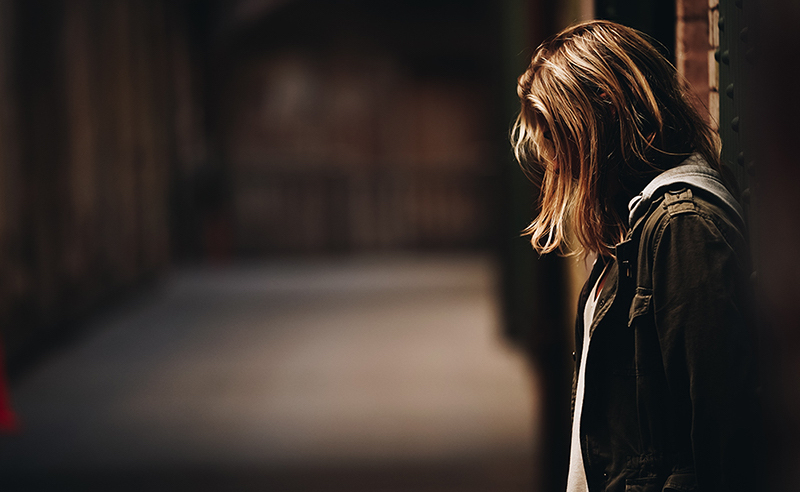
(359, 374)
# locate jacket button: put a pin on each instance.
(573, 355)
(605, 475)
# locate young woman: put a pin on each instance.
(664, 389)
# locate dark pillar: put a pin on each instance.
(534, 286)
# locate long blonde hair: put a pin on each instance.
(601, 107)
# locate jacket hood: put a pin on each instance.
(694, 172)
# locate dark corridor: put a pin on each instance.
(252, 245)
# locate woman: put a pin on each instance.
(664, 389)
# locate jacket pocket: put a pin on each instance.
(650, 484)
(681, 482)
(640, 305)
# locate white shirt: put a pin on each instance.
(576, 479)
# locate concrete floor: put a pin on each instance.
(380, 374)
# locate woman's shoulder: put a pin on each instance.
(694, 217)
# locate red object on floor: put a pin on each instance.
(8, 419)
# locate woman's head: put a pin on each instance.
(602, 112)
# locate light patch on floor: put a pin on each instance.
(362, 360)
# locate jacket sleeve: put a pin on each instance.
(701, 307)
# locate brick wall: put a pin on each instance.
(696, 39)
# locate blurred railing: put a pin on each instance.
(285, 212)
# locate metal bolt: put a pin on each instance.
(726, 57)
(740, 159)
(744, 35)
(729, 91)
(721, 23)
(735, 123)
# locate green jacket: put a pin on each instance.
(670, 401)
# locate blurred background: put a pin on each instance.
(275, 244)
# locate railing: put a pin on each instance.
(285, 212)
